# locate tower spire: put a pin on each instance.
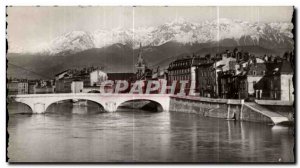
(140, 65)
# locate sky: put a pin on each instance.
(32, 26)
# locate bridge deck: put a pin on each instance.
(87, 94)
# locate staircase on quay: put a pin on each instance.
(275, 117)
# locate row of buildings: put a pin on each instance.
(237, 75)
(24, 86)
(71, 80)
(230, 74)
(87, 81)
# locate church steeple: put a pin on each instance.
(140, 57)
(140, 65)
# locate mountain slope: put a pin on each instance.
(114, 58)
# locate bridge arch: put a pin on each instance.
(144, 104)
(70, 99)
(25, 105)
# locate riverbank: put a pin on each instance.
(228, 109)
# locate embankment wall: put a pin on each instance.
(219, 108)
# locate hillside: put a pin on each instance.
(115, 58)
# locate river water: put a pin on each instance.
(67, 133)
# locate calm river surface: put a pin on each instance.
(69, 133)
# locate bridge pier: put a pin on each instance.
(39, 108)
(110, 107)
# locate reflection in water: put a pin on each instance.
(69, 133)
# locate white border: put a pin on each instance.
(154, 2)
(5, 3)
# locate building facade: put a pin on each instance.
(23, 88)
(63, 85)
(43, 87)
(182, 69)
(12, 87)
(97, 77)
(281, 82)
(255, 74)
(77, 86)
(206, 78)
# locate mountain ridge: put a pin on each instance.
(216, 32)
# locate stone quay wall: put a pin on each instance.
(218, 108)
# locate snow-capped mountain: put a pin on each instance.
(268, 35)
(70, 43)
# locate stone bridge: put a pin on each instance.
(110, 102)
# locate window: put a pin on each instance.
(254, 72)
